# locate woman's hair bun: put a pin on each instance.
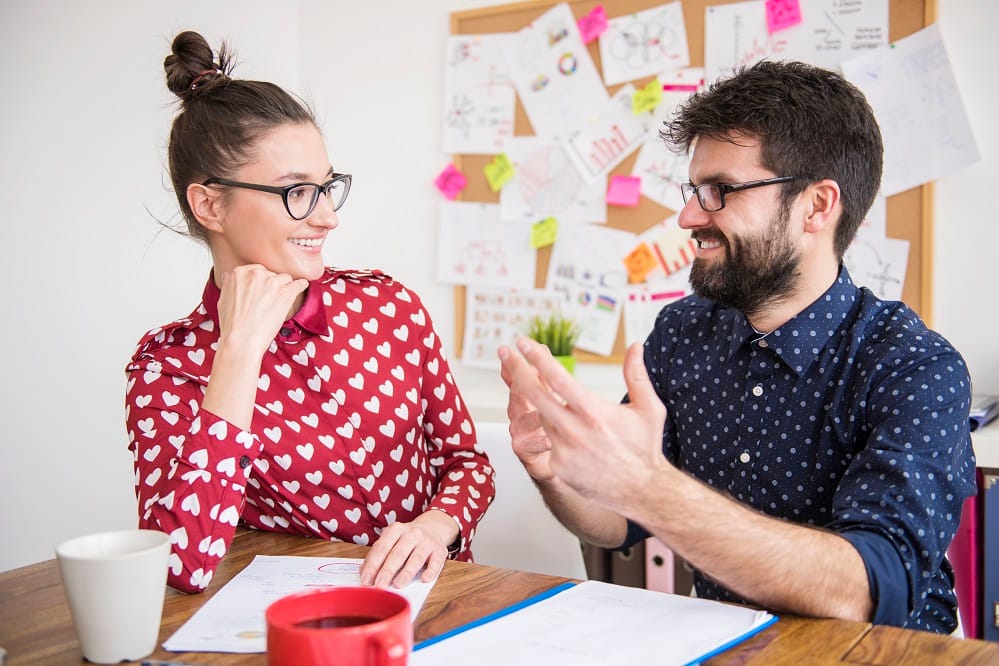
(191, 68)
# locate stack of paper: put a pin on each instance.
(597, 623)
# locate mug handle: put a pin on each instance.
(386, 651)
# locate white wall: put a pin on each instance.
(87, 269)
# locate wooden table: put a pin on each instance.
(36, 626)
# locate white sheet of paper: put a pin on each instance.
(662, 171)
(830, 32)
(546, 184)
(479, 99)
(644, 43)
(495, 317)
(878, 263)
(641, 307)
(233, 619)
(912, 90)
(554, 75)
(599, 624)
(475, 248)
(587, 265)
(605, 139)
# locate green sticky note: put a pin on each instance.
(647, 98)
(498, 172)
(544, 232)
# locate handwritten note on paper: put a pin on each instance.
(912, 90)
(498, 172)
(233, 619)
(782, 14)
(830, 32)
(878, 263)
(475, 248)
(544, 232)
(644, 44)
(547, 184)
(647, 98)
(479, 99)
(496, 317)
(624, 190)
(604, 140)
(555, 77)
(450, 181)
(592, 25)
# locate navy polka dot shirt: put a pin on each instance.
(852, 416)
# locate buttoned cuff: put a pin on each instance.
(885, 576)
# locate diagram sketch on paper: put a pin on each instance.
(878, 264)
(644, 43)
(479, 99)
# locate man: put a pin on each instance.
(803, 444)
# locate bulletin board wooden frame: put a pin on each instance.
(910, 213)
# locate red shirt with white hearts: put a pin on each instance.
(357, 424)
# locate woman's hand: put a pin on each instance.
(405, 548)
(253, 305)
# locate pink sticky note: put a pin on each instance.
(592, 24)
(624, 190)
(782, 14)
(450, 182)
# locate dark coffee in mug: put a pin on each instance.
(334, 621)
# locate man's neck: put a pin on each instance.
(809, 288)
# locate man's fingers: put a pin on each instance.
(641, 392)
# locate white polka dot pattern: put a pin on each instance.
(357, 424)
(852, 416)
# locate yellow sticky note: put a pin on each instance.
(498, 172)
(639, 263)
(647, 98)
(544, 232)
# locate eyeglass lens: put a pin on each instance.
(709, 196)
(302, 199)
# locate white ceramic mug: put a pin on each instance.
(115, 583)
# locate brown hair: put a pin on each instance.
(221, 118)
(812, 123)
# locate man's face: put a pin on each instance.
(747, 257)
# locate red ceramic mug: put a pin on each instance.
(345, 626)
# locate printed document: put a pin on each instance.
(233, 619)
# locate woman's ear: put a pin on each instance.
(824, 206)
(206, 204)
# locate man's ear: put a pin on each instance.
(206, 204)
(824, 207)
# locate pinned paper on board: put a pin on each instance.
(878, 264)
(604, 140)
(641, 307)
(479, 99)
(593, 24)
(644, 43)
(496, 317)
(475, 248)
(673, 246)
(663, 171)
(450, 181)
(546, 184)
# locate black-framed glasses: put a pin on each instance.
(711, 196)
(299, 198)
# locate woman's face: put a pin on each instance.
(255, 227)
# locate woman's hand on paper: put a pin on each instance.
(403, 549)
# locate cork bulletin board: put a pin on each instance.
(909, 213)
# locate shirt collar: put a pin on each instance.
(800, 341)
(310, 317)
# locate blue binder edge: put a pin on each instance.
(541, 596)
(732, 643)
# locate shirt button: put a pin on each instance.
(763, 344)
(757, 390)
(744, 457)
(285, 331)
(244, 462)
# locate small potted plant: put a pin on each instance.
(557, 332)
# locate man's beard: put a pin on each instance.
(756, 273)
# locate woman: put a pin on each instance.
(295, 398)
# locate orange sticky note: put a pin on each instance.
(544, 232)
(640, 262)
(498, 172)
